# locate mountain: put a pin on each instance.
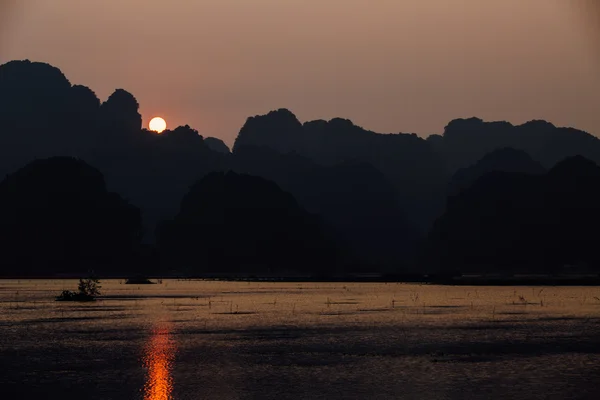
(231, 222)
(467, 140)
(505, 160)
(43, 115)
(217, 145)
(354, 199)
(377, 195)
(513, 221)
(408, 162)
(57, 216)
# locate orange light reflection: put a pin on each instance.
(159, 360)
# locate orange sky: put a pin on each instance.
(389, 65)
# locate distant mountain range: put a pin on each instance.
(376, 195)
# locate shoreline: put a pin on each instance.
(465, 280)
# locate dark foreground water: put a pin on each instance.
(215, 340)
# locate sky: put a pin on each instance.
(388, 65)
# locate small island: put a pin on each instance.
(87, 290)
(139, 280)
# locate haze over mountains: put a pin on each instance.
(370, 198)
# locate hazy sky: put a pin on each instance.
(389, 65)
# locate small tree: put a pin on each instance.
(89, 287)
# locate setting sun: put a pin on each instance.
(157, 124)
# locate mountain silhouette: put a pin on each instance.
(57, 216)
(504, 160)
(512, 221)
(354, 199)
(217, 145)
(382, 198)
(43, 115)
(231, 222)
(419, 169)
(467, 140)
(406, 160)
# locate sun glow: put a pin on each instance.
(158, 360)
(157, 124)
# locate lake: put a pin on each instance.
(264, 340)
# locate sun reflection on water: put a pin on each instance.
(158, 360)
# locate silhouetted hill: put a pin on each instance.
(361, 205)
(509, 221)
(183, 137)
(33, 89)
(418, 169)
(155, 171)
(217, 145)
(407, 161)
(354, 199)
(43, 115)
(504, 160)
(120, 120)
(279, 130)
(375, 193)
(467, 140)
(231, 222)
(57, 216)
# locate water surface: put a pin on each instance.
(245, 340)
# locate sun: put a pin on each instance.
(157, 124)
